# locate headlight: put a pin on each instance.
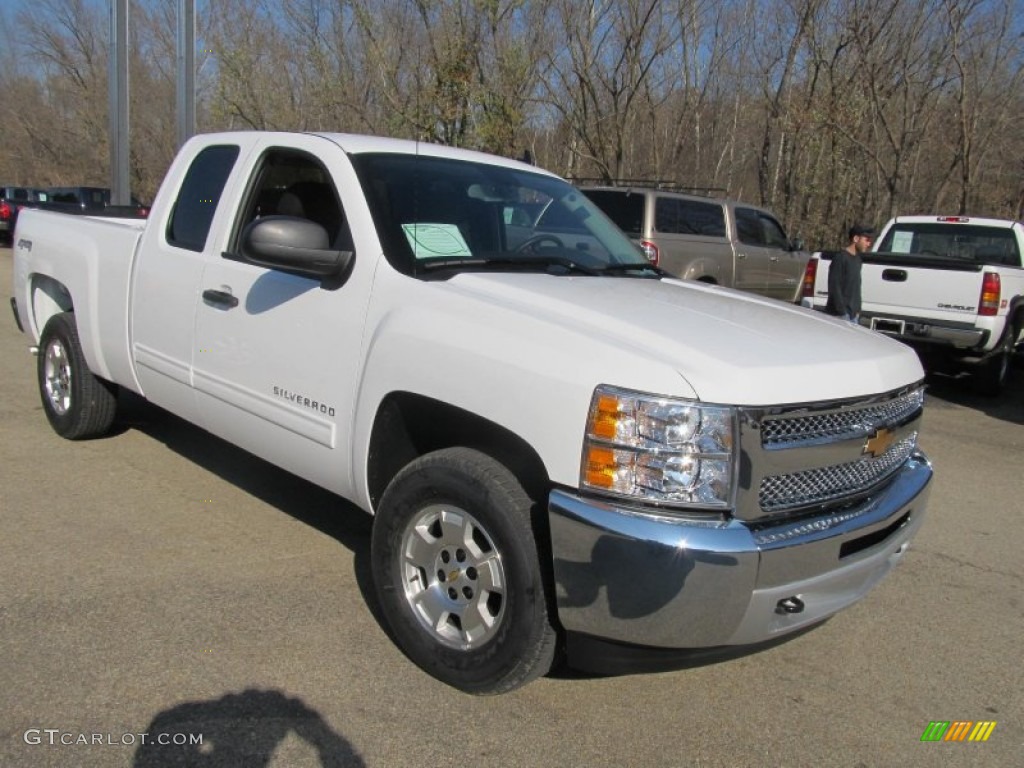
(658, 449)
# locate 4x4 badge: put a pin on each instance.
(878, 443)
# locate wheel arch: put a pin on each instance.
(48, 297)
(408, 425)
(1015, 316)
(703, 270)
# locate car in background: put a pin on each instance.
(713, 240)
(93, 199)
(951, 287)
(12, 200)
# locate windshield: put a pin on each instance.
(438, 215)
(967, 242)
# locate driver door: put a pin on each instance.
(278, 354)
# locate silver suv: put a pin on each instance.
(708, 239)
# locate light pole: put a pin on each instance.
(186, 70)
(120, 186)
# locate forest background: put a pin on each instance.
(825, 111)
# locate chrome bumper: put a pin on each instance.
(633, 576)
(932, 331)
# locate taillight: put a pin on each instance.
(810, 275)
(650, 251)
(988, 305)
(5, 211)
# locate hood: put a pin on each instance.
(729, 347)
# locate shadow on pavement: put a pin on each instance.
(240, 729)
(308, 503)
(349, 525)
(593, 657)
(959, 390)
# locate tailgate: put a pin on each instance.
(934, 291)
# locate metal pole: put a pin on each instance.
(186, 70)
(120, 186)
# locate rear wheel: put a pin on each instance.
(991, 376)
(77, 403)
(457, 572)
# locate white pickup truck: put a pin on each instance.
(566, 453)
(950, 286)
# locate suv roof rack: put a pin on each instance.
(666, 184)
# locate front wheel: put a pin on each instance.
(77, 403)
(457, 573)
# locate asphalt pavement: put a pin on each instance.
(160, 584)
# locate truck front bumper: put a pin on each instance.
(640, 577)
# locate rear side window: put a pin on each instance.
(199, 196)
(678, 216)
(624, 208)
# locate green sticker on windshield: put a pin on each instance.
(430, 241)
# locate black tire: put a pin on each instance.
(457, 573)
(78, 405)
(991, 376)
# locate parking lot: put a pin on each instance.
(162, 582)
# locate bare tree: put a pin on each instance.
(984, 48)
(826, 110)
(596, 84)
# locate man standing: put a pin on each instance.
(844, 275)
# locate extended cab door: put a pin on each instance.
(764, 256)
(175, 248)
(277, 354)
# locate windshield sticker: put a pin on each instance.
(432, 240)
(902, 241)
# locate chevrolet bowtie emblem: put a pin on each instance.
(878, 443)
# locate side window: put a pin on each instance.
(624, 208)
(199, 195)
(289, 182)
(748, 226)
(774, 236)
(668, 217)
(689, 217)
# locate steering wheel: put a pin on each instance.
(531, 243)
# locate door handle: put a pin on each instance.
(773, 258)
(895, 275)
(220, 298)
(741, 255)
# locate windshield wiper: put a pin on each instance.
(635, 267)
(544, 264)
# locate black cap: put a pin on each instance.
(861, 230)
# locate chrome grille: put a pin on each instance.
(780, 493)
(847, 423)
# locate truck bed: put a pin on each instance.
(103, 252)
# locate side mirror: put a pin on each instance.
(298, 245)
(796, 244)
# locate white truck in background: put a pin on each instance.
(950, 286)
(565, 451)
